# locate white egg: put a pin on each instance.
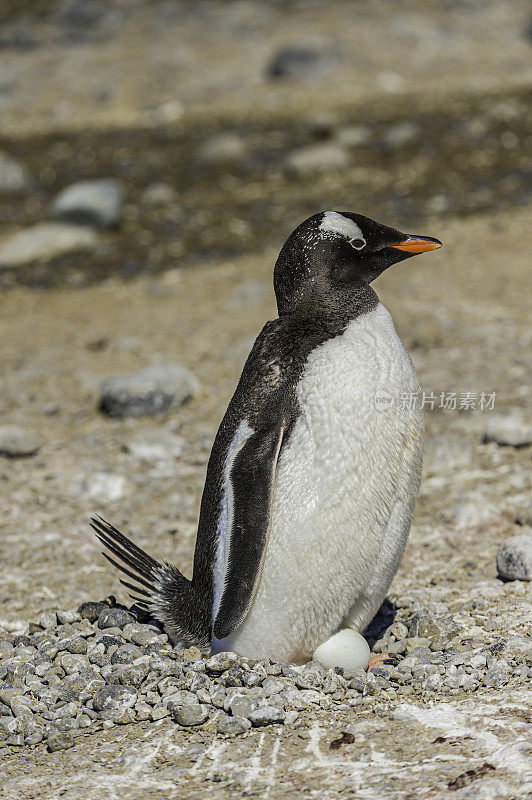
(347, 649)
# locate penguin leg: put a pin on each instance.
(347, 649)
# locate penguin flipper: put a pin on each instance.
(252, 479)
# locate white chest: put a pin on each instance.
(344, 493)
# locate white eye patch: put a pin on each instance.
(338, 225)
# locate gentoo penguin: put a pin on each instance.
(312, 479)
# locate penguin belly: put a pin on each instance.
(345, 491)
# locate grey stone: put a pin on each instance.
(60, 741)
(66, 616)
(114, 698)
(159, 711)
(155, 445)
(14, 177)
(15, 442)
(301, 62)
(514, 558)
(125, 654)
(223, 149)
(221, 662)
(94, 202)
(242, 705)
(91, 610)
(312, 676)
(181, 697)
(189, 715)
(73, 644)
(266, 715)
(401, 134)
(44, 241)
(73, 663)
(273, 685)
(115, 618)
(513, 429)
(150, 392)
(523, 515)
(316, 158)
(474, 509)
(233, 726)
(159, 194)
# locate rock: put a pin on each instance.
(514, 558)
(354, 135)
(14, 177)
(472, 510)
(95, 202)
(401, 134)
(221, 662)
(92, 610)
(152, 391)
(316, 158)
(242, 705)
(446, 453)
(67, 616)
(114, 698)
(155, 445)
(60, 741)
(115, 618)
(233, 726)
(44, 241)
(224, 148)
(523, 515)
(189, 715)
(159, 194)
(513, 429)
(267, 715)
(104, 486)
(301, 62)
(17, 443)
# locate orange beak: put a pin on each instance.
(417, 244)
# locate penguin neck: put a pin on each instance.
(331, 306)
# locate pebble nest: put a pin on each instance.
(82, 671)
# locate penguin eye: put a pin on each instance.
(358, 244)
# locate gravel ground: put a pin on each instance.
(142, 290)
(454, 700)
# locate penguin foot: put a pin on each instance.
(346, 649)
(377, 660)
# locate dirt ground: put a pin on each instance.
(190, 283)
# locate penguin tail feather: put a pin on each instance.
(164, 592)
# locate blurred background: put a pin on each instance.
(153, 158)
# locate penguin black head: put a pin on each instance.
(336, 253)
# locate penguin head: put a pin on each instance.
(333, 251)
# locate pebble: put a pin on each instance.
(115, 618)
(97, 203)
(150, 392)
(523, 515)
(301, 62)
(43, 242)
(233, 726)
(513, 429)
(223, 149)
(69, 674)
(14, 177)
(266, 715)
(189, 715)
(316, 158)
(514, 558)
(15, 442)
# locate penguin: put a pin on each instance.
(312, 479)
